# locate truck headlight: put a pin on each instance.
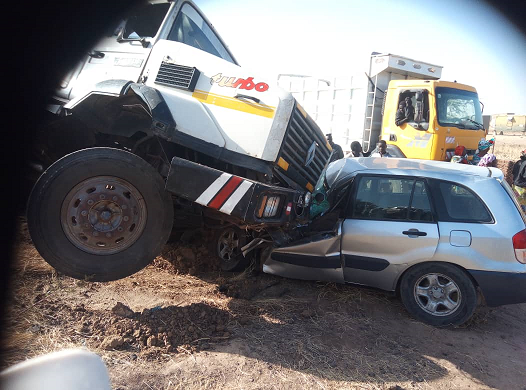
(269, 206)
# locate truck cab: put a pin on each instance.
(446, 114)
(166, 54)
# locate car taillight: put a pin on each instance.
(519, 244)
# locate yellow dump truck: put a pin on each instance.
(363, 108)
(447, 114)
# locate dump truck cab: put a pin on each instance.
(165, 73)
(446, 114)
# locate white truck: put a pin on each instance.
(160, 120)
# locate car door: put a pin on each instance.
(389, 225)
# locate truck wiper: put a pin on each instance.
(480, 125)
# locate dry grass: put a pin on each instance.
(283, 333)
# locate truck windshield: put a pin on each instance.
(458, 108)
(143, 21)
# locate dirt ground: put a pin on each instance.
(182, 324)
(509, 145)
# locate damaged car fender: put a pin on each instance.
(316, 257)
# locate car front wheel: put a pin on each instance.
(439, 294)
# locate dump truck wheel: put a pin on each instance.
(226, 245)
(99, 214)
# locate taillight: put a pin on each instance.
(519, 244)
(268, 207)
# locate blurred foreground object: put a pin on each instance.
(64, 370)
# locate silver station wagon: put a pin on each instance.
(439, 234)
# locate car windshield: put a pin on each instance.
(142, 21)
(458, 108)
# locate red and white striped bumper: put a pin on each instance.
(229, 194)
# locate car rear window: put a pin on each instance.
(456, 203)
(511, 194)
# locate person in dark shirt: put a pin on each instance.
(400, 117)
(338, 151)
(409, 109)
(357, 151)
(519, 180)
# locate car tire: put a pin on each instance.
(99, 214)
(226, 245)
(438, 294)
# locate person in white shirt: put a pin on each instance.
(381, 146)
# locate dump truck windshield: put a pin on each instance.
(458, 108)
(143, 21)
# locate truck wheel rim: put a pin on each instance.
(228, 245)
(437, 294)
(103, 215)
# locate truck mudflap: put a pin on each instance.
(251, 202)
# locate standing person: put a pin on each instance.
(381, 146)
(519, 180)
(482, 157)
(357, 151)
(338, 151)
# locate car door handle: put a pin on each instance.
(240, 96)
(414, 232)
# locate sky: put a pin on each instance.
(474, 43)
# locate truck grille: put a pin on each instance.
(302, 131)
(178, 76)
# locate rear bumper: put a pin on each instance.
(501, 288)
(232, 195)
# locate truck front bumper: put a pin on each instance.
(236, 197)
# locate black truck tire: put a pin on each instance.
(99, 214)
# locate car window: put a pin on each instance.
(384, 198)
(420, 204)
(456, 203)
(190, 28)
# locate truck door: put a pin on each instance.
(389, 224)
(121, 54)
(407, 122)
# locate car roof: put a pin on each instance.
(348, 167)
